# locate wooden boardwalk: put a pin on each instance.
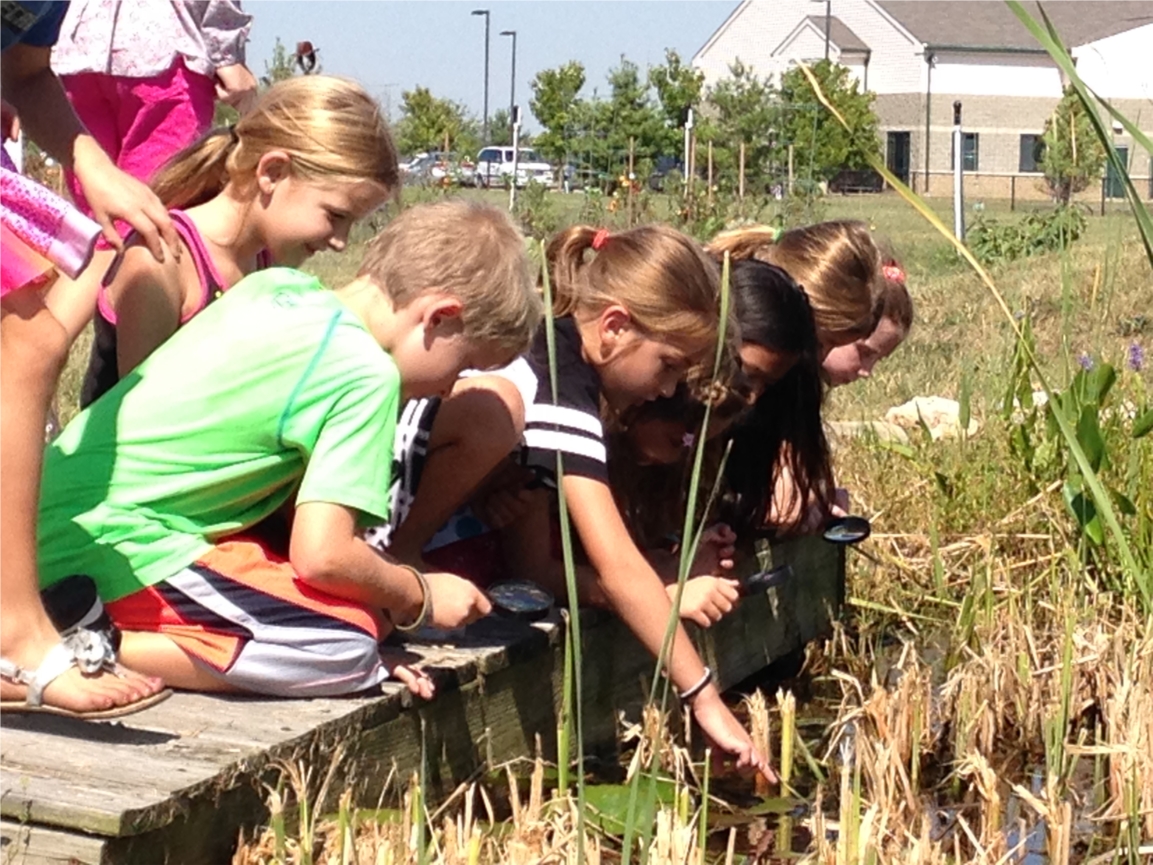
(175, 783)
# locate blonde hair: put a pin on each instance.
(670, 287)
(467, 249)
(837, 264)
(331, 129)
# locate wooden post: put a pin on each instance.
(1012, 193)
(632, 154)
(741, 173)
(692, 162)
(789, 192)
(710, 174)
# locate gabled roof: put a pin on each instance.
(840, 34)
(991, 24)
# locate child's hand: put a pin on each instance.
(727, 734)
(455, 601)
(706, 599)
(716, 550)
(505, 498)
(416, 680)
(114, 195)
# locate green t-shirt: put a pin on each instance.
(275, 388)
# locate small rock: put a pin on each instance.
(942, 416)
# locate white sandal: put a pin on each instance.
(90, 651)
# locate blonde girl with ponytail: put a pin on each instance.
(288, 180)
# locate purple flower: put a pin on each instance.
(688, 439)
(1085, 361)
(1136, 358)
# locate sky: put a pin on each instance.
(391, 46)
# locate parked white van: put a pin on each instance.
(494, 167)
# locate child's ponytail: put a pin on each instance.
(330, 129)
(565, 258)
(743, 243)
(670, 287)
(197, 173)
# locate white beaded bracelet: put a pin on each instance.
(698, 687)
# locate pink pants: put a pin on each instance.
(141, 122)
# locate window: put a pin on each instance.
(489, 155)
(1032, 149)
(969, 146)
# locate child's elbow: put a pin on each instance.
(316, 566)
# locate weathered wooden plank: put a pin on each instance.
(174, 783)
(25, 844)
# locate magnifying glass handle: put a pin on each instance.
(762, 581)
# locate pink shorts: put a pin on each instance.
(141, 122)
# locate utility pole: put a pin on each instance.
(828, 24)
(485, 13)
(512, 87)
(958, 175)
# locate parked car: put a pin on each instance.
(494, 167)
(437, 168)
(858, 180)
(661, 170)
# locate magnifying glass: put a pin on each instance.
(762, 581)
(521, 599)
(847, 530)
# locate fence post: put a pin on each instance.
(632, 153)
(1012, 193)
(710, 190)
(741, 174)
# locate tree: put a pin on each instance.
(500, 128)
(280, 67)
(1073, 156)
(678, 88)
(430, 123)
(630, 113)
(820, 142)
(740, 109)
(553, 100)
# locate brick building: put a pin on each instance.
(919, 56)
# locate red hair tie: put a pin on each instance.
(600, 239)
(893, 273)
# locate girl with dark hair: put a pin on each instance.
(780, 356)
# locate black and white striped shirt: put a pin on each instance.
(572, 426)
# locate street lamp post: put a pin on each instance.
(512, 89)
(485, 13)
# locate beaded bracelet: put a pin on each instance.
(698, 687)
(425, 603)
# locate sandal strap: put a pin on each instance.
(13, 672)
(56, 663)
(91, 651)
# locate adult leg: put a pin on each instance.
(160, 116)
(33, 349)
(89, 94)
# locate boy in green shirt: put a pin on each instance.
(280, 392)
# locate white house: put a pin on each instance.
(921, 56)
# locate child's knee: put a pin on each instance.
(34, 344)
